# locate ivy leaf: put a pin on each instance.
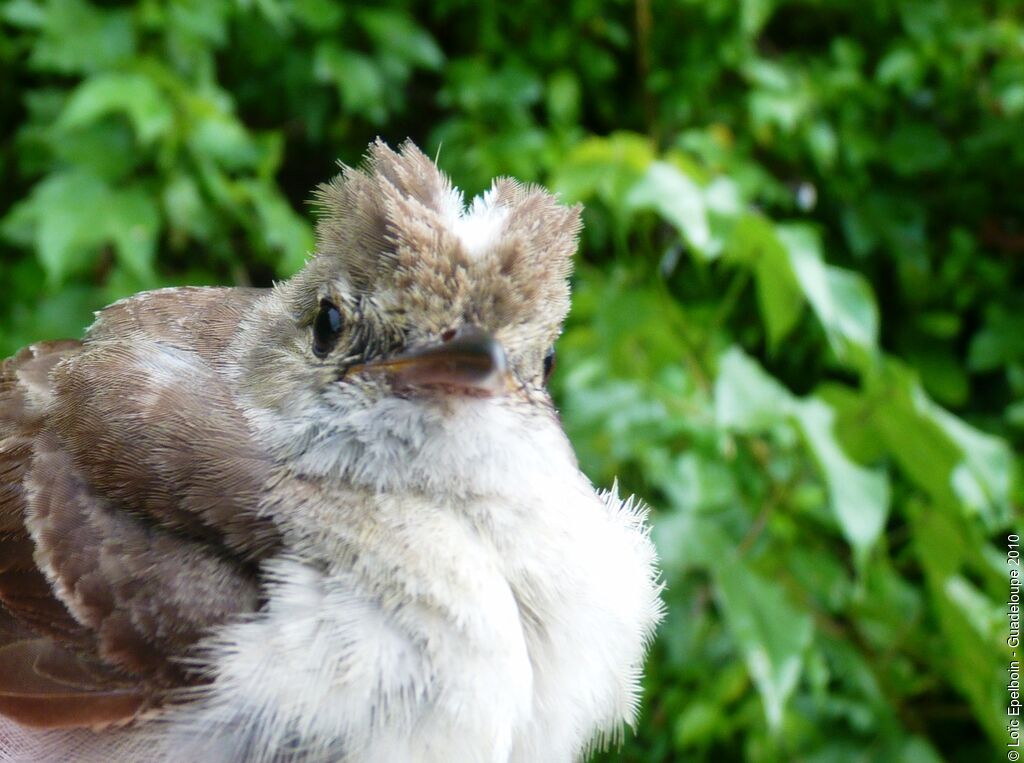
(134, 95)
(75, 213)
(747, 399)
(318, 15)
(982, 479)
(842, 300)
(754, 243)
(285, 233)
(396, 32)
(952, 461)
(131, 220)
(64, 209)
(772, 632)
(975, 660)
(604, 167)
(218, 135)
(917, 147)
(76, 37)
(999, 342)
(679, 200)
(859, 496)
(357, 77)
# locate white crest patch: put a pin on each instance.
(479, 226)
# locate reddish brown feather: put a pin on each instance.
(45, 687)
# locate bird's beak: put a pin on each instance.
(469, 360)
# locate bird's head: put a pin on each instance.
(415, 308)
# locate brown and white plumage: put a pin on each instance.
(223, 541)
(127, 505)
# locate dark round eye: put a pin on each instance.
(326, 328)
(549, 364)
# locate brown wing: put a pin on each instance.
(32, 618)
(128, 489)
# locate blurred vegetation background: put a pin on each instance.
(798, 326)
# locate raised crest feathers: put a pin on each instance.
(399, 223)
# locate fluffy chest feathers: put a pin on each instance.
(487, 630)
(498, 612)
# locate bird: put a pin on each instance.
(333, 520)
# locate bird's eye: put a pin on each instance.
(326, 328)
(549, 364)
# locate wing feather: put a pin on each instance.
(45, 686)
(128, 523)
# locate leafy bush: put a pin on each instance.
(797, 328)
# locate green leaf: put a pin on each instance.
(318, 15)
(74, 214)
(275, 12)
(395, 32)
(680, 546)
(132, 220)
(823, 144)
(1014, 414)
(134, 95)
(289, 236)
(18, 225)
(999, 342)
(697, 723)
(696, 482)
(357, 77)
(901, 68)
(917, 147)
(754, 14)
(23, 13)
(184, 208)
(108, 149)
(854, 312)
(772, 633)
(747, 399)
(64, 209)
(941, 370)
(193, 26)
(953, 462)
(754, 242)
(219, 136)
(982, 479)
(603, 167)
(975, 654)
(1011, 98)
(859, 496)
(842, 300)
(563, 97)
(63, 314)
(678, 199)
(76, 37)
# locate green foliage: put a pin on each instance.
(797, 323)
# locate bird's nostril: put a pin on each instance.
(448, 335)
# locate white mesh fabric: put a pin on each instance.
(24, 745)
